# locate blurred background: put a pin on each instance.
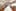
(2, 2)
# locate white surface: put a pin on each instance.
(14, 4)
(8, 9)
